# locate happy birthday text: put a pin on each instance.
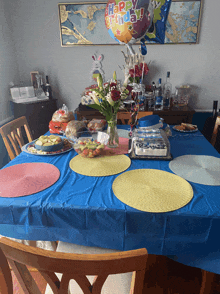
(125, 11)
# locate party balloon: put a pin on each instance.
(128, 21)
(156, 33)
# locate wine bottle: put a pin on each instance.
(159, 97)
(48, 90)
(42, 84)
(167, 92)
(210, 122)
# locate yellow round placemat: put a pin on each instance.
(100, 166)
(152, 190)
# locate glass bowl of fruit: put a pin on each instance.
(89, 148)
(49, 143)
(88, 144)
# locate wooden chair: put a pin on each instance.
(125, 117)
(215, 131)
(12, 135)
(72, 266)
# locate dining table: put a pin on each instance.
(84, 210)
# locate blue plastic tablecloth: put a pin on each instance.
(84, 210)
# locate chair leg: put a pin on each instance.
(6, 283)
(207, 282)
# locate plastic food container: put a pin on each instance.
(149, 144)
(96, 125)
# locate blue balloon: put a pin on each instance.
(156, 32)
(143, 47)
(112, 35)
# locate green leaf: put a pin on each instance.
(130, 79)
(99, 80)
(114, 75)
(95, 106)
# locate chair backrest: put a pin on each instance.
(125, 117)
(215, 131)
(72, 266)
(12, 135)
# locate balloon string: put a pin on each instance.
(142, 76)
(130, 49)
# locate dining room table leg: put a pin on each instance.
(208, 279)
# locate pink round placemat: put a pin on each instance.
(27, 178)
(121, 149)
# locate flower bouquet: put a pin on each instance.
(108, 98)
(135, 68)
(137, 73)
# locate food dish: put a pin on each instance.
(49, 143)
(74, 127)
(96, 125)
(88, 148)
(185, 131)
(63, 116)
(30, 149)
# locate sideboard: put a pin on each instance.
(38, 114)
(173, 116)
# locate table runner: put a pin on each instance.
(27, 178)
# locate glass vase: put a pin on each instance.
(112, 131)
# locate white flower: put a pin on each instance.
(109, 99)
(127, 76)
(94, 96)
(86, 100)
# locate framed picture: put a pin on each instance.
(183, 22)
(34, 79)
(84, 23)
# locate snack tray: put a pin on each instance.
(61, 151)
(185, 131)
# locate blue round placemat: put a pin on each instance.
(200, 169)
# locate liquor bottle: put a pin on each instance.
(151, 98)
(159, 97)
(142, 97)
(48, 90)
(167, 92)
(210, 122)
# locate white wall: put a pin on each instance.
(8, 63)
(37, 42)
